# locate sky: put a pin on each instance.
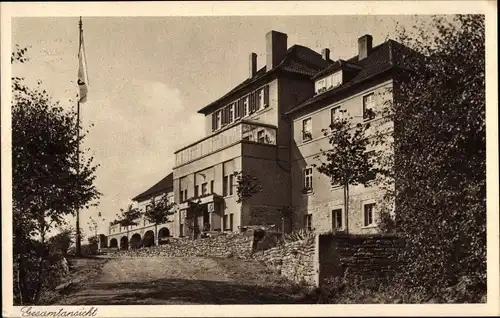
(148, 77)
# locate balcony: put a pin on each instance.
(232, 134)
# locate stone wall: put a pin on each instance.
(295, 261)
(367, 256)
(223, 245)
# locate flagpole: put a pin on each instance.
(78, 234)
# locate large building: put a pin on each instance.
(143, 233)
(270, 127)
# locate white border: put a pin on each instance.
(9, 10)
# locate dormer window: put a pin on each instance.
(329, 82)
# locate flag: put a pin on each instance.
(82, 72)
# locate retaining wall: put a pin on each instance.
(224, 246)
(297, 260)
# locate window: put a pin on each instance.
(308, 222)
(212, 186)
(224, 185)
(372, 174)
(261, 137)
(231, 184)
(337, 219)
(336, 79)
(306, 129)
(260, 99)
(368, 213)
(226, 220)
(231, 222)
(218, 120)
(336, 114)
(320, 86)
(183, 195)
(196, 190)
(231, 113)
(181, 229)
(368, 106)
(245, 106)
(308, 179)
(204, 188)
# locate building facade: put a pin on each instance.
(270, 127)
(144, 233)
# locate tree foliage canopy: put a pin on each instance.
(346, 161)
(440, 153)
(158, 211)
(50, 177)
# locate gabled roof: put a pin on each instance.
(165, 185)
(336, 66)
(381, 59)
(299, 60)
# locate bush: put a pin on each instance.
(298, 235)
(357, 290)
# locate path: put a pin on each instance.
(160, 281)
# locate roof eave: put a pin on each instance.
(322, 97)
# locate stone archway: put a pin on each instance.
(149, 239)
(124, 243)
(135, 241)
(163, 234)
(113, 242)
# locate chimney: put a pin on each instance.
(252, 65)
(276, 48)
(364, 46)
(326, 54)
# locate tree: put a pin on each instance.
(128, 217)
(286, 213)
(94, 224)
(246, 186)
(194, 208)
(62, 241)
(439, 162)
(158, 212)
(346, 162)
(46, 185)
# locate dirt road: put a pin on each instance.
(160, 281)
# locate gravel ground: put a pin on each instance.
(158, 281)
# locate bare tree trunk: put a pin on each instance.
(20, 278)
(40, 267)
(346, 207)
(156, 241)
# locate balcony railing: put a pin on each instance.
(243, 130)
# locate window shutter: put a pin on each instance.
(252, 102)
(214, 121)
(225, 115)
(236, 111)
(266, 95)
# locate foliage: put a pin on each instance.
(346, 162)
(61, 242)
(194, 209)
(298, 235)
(354, 289)
(439, 162)
(94, 223)
(246, 186)
(46, 185)
(158, 211)
(129, 216)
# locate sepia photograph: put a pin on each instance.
(259, 159)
